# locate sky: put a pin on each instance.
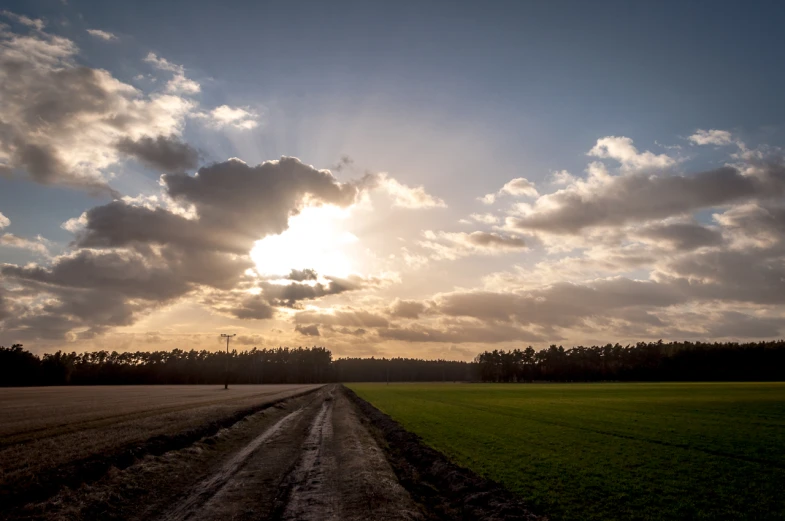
(390, 179)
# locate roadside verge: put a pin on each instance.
(444, 488)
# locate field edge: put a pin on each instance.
(449, 490)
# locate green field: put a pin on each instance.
(610, 451)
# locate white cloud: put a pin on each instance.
(163, 64)
(14, 241)
(562, 178)
(4, 221)
(519, 187)
(485, 218)
(62, 121)
(622, 150)
(179, 83)
(406, 196)
(243, 118)
(712, 137)
(75, 224)
(182, 85)
(103, 35)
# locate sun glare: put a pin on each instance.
(316, 239)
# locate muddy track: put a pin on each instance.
(324, 455)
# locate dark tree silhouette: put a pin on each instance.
(672, 361)
(685, 361)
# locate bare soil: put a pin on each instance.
(323, 455)
(50, 437)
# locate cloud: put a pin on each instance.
(307, 330)
(179, 84)
(250, 340)
(681, 236)
(234, 117)
(4, 221)
(562, 178)
(468, 331)
(405, 196)
(621, 149)
(453, 245)
(164, 153)
(14, 241)
(254, 308)
(520, 187)
(290, 294)
(35, 23)
(485, 218)
(407, 308)
(103, 35)
(342, 317)
(712, 137)
(163, 64)
(605, 200)
(135, 256)
(61, 121)
(302, 275)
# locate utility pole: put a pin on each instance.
(226, 370)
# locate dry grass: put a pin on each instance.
(42, 428)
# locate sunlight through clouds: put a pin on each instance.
(316, 239)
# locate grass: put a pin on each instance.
(610, 451)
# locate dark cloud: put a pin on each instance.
(682, 236)
(640, 197)
(453, 245)
(259, 200)
(164, 153)
(250, 340)
(494, 240)
(461, 333)
(290, 294)
(739, 325)
(120, 224)
(312, 330)
(302, 275)
(562, 304)
(254, 308)
(347, 317)
(5, 306)
(406, 308)
(128, 273)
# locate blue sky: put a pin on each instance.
(455, 99)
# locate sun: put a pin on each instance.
(316, 239)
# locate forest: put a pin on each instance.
(654, 361)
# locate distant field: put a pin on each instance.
(44, 427)
(610, 451)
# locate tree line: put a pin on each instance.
(652, 361)
(19, 367)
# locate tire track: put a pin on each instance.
(306, 495)
(213, 485)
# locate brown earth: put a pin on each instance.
(324, 455)
(61, 435)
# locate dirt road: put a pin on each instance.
(312, 456)
(308, 458)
